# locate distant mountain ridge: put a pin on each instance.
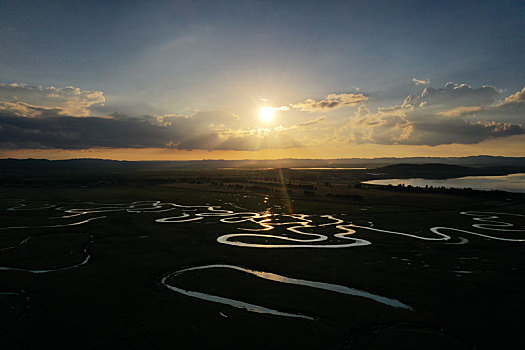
(471, 161)
(91, 172)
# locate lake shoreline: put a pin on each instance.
(509, 183)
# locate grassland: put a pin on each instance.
(463, 296)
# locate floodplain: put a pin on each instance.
(260, 259)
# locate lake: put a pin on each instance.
(510, 183)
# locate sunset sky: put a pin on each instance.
(261, 79)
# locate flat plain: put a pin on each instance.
(259, 259)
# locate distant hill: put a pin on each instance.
(100, 171)
(474, 161)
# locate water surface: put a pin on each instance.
(510, 183)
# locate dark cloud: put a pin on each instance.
(211, 130)
(511, 108)
(331, 102)
(80, 133)
(22, 109)
(310, 122)
(460, 111)
(437, 131)
(61, 118)
(454, 95)
(215, 119)
(35, 117)
(453, 114)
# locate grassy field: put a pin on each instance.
(462, 296)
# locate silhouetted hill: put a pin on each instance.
(415, 166)
(94, 172)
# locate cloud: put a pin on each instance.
(387, 126)
(434, 118)
(511, 109)
(69, 132)
(70, 100)
(48, 118)
(332, 101)
(460, 111)
(254, 139)
(454, 95)
(420, 82)
(310, 122)
(22, 109)
(212, 119)
(257, 139)
(435, 132)
(66, 132)
(516, 99)
(209, 130)
(455, 113)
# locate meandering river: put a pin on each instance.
(246, 229)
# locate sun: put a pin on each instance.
(267, 114)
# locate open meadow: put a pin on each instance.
(258, 259)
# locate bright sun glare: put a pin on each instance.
(267, 113)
